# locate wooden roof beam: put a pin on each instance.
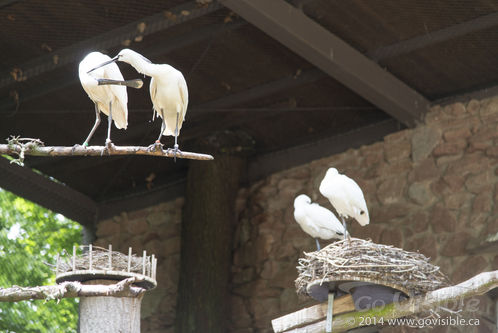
(434, 37)
(266, 164)
(48, 193)
(291, 27)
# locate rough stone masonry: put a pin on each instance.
(431, 189)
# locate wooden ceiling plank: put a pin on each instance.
(263, 90)
(480, 94)
(292, 28)
(434, 37)
(154, 23)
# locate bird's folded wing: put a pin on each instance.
(120, 102)
(321, 217)
(182, 85)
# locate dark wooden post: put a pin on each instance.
(207, 232)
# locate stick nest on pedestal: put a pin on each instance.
(100, 261)
(363, 260)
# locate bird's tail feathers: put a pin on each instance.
(120, 115)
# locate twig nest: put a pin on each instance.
(351, 266)
(89, 263)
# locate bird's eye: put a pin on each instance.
(339, 233)
(362, 212)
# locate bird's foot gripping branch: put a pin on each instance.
(20, 147)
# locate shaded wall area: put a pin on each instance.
(432, 189)
(157, 230)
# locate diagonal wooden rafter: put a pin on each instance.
(47, 193)
(267, 164)
(266, 89)
(319, 46)
(434, 37)
(5, 3)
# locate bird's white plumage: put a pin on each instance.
(168, 88)
(345, 195)
(102, 95)
(315, 220)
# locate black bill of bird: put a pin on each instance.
(135, 83)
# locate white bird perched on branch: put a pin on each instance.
(317, 221)
(106, 87)
(168, 91)
(345, 195)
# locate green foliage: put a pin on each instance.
(31, 236)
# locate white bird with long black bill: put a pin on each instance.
(345, 195)
(106, 87)
(317, 221)
(168, 91)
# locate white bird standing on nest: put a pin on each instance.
(106, 87)
(346, 196)
(168, 91)
(317, 221)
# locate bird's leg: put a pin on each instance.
(109, 123)
(317, 244)
(97, 123)
(346, 233)
(163, 127)
(157, 145)
(344, 225)
(176, 136)
(108, 142)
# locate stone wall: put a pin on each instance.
(431, 189)
(156, 230)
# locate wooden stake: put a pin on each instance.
(74, 258)
(110, 257)
(90, 256)
(129, 259)
(155, 270)
(151, 265)
(143, 262)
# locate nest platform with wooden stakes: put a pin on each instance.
(362, 275)
(92, 265)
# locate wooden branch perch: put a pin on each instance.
(36, 148)
(123, 288)
(312, 318)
